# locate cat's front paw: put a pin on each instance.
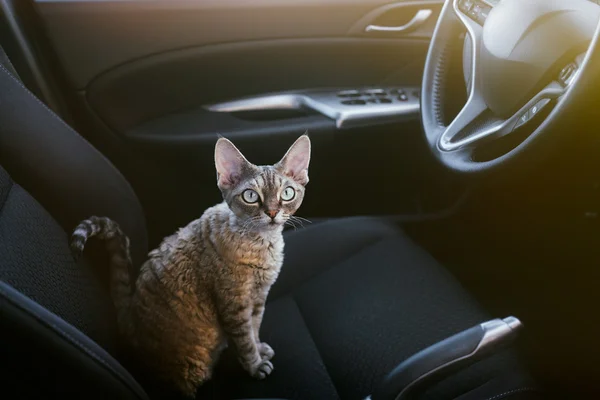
(261, 370)
(266, 352)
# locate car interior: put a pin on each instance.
(452, 242)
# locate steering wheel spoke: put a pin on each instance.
(472, 48)
(455, 135)
(475, 123)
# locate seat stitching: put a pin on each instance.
(477, 387)
(511, 392)
(315, 343)
(8, 192)
(5, 58)
(34, 97)
(81, 346)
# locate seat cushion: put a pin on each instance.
(355, 298)
(57, 323)
(36, 261)
(60, 169)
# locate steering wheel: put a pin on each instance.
(529, 68)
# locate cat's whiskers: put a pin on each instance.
(298, 220)
(301, 219)
(293, 220)
(294, 223)
(291, 223)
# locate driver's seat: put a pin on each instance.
(355, 297)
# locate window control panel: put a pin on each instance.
(376, 96)
(349, 107)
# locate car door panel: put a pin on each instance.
(93, 36)
(158, 85)
(142, 73)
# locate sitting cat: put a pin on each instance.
(207, 283)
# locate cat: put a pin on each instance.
(207, 284)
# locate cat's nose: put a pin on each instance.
(271, 213)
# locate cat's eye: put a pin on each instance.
(250, 196)
(288, 194)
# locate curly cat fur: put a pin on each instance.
(206, 284)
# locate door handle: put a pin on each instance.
(419, 19)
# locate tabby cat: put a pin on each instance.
(206, 284)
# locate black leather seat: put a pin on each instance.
(355, 296)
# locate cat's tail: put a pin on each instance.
(117, 246)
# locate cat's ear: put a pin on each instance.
(230, 163)
(295, 162)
